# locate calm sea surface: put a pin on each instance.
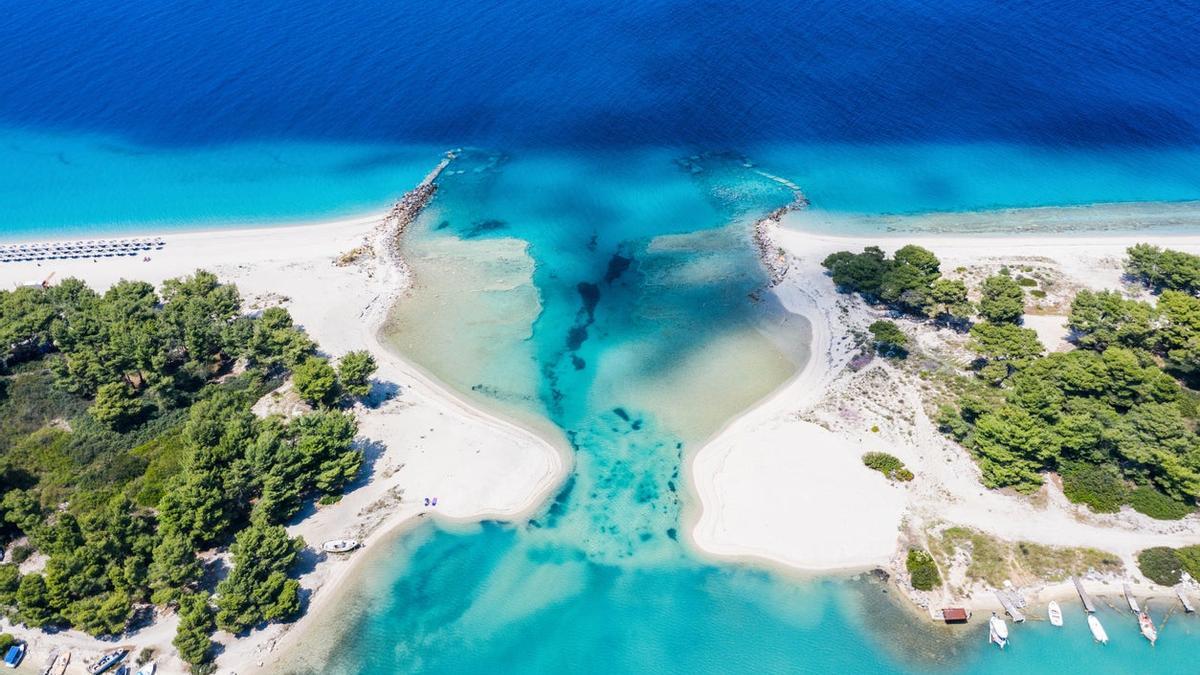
(606, 282)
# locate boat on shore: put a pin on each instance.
(1098, 631)
(1147, 626)
(339, 545)
(1055, 613)
(997, 631)
(107, 661)
(58, 663)
(147, 669)
(12, 657)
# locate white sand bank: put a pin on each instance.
(785, 483)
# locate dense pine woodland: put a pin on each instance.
(1116, 417)
(130, 458)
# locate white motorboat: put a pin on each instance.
(1055, 613)
(108, 661)
(1097, 630)
(1147, 626)
(340, 545)
(997, 631)
(147, 669)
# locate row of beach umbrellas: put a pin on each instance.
(94, 248)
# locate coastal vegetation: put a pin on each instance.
(889, 339)
(1117, 417)
(922, 570)
(909, 282)
(888, 465)
(1161, 565)
(992, 561)
(130, 456)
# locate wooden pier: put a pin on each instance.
(1087, 599)
(1187, 604)
(1133, 603)
(1010, 606)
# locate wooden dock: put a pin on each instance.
(1133, 603)
(1187, 604)
(1087, 599)
(1010, 606)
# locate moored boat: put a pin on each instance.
(997, 631)
(1055, 613)
(1098, 631)
(147, 669)
(107, 661)
(1147, 626)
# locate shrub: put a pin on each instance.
(1157, 505)
(21, 553)
(1097, 485)
(888, 465)
(1189, 559)
(889, 339)
(6, 641)
(1161, 565)
(1038, 293)
(922, 570)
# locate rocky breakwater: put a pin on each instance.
(773, 257)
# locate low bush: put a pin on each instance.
(922, 570)
(1161, 565)
(1189, 559)
(6, 641)
(1098, 485)
(888, 465)
(1027, 282)
(1157, 505)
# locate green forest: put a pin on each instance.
(129, 455)
(1116, 417)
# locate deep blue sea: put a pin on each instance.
(620, 144)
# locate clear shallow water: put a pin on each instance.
(144, 115)
(490, 600)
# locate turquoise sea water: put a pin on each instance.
(584, 274)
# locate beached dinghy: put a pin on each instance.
(107, 661)
(12, 658)
(340, 545)
(997, 631)
(1055, 613)
(1147, 627)
(58, 663)
(1097, 630)
(147, 669)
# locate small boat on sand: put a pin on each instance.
(147, 669)
(1097, 630)
(58, 663)
(12, 657)
(340, 545)
(997, 631)
(107, 661)
(1055, 613)
(1147, 626)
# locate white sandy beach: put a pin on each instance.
(785, 484)
(422, 442)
